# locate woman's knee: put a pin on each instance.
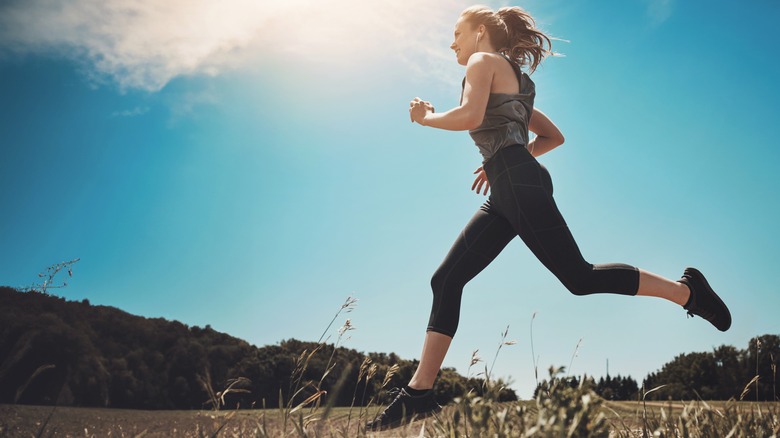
(437, 282)
(580, 282)
(445, 310)
(578, 288)
(614, 278)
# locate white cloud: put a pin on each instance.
(143, 44)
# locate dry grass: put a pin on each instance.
(623, 419)
(560, 410)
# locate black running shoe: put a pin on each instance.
(704, 302)
(403, 409)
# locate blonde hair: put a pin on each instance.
(513, 31)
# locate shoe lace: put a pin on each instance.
(394, 392)
(702, 313)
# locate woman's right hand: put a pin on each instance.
(480, 181)
(418, 109)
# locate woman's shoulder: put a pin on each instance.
(485, 58)
(484, 63)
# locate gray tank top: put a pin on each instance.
(506, 118)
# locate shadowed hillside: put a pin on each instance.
(54, 351)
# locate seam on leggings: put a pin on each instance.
(535, 186)
(449, 271)
(498, 176)
(460, 257)
(533, 232)
(466, 242)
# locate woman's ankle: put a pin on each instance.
(414, 392)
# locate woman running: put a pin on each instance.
(497, 109)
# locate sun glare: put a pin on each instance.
(145, 43)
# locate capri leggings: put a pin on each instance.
(520, 204)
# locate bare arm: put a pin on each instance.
(471, 111)
(548, 136)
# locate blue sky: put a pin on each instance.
(249, 165)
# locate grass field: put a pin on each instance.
(622, 419)
(27, 421)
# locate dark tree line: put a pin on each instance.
(54, 351)
(721, 374)
(609, 388)
(617, 388)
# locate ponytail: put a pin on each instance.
(513, 31)
(525, 43)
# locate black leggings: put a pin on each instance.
(520, 204)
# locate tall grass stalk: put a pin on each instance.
(328, 367)
(501, 344)
(747, 387)
(302, 362)
(644, 408)
(45, 423)
(758, 345)
(475, 359)
(773, 367)
(32, 377)
(533, 354)
(362, 373)
(349, 305)
(573, 355)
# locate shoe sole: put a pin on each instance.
(700, 278)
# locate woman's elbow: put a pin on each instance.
(559, 139)
(473, 122)
(470, 126)
(471, 118)
(554, 138)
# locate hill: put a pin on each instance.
(54, 351)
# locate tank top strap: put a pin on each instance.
(518, 71)
(515, 67)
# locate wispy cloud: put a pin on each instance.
(184, 105)
(659, 11)
(137, 111)
(143, 44)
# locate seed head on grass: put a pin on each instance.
(346, 327)
(747, 387)
(475, 359)
(349, 305)
(363, 368)
(311, 399)
(367, 370)
(389, 375)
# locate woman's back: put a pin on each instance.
(509, 108)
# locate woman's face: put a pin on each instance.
(465, 43)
